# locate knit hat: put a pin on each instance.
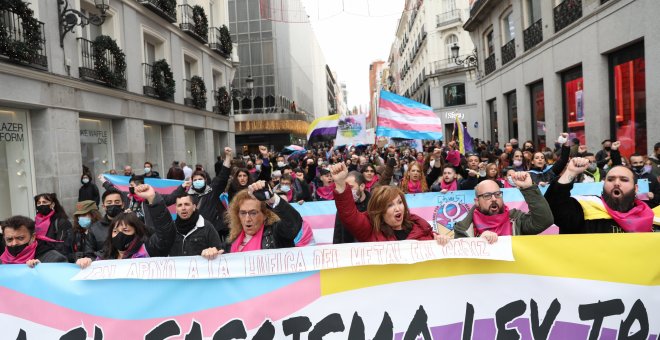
(84, 207)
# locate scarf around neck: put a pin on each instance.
(42, 223)
(370, 184)
(500, 224)
(638, 219)
(253, 244)
(414, 187)
(453, 186)
(22, 257)
(136, 198)
(326, 192)
(183, 227)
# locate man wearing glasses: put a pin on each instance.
(490, 217)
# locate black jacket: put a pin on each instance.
(161, 241)
(95, 238)
(74, 245)
(280, 234)
(202, 236)
(89, 192)
(58, 230)
(341, 234)
(547, 175)
(46, 253)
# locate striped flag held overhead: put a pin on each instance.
(400, 117)
(323, 129)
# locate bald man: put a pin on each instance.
(490, 217)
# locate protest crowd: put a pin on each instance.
(249, 203)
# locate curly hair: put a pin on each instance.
(234, 220)
(406, 177)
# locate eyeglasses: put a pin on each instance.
(252, 213)
(489, 195)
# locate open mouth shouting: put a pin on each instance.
(494, 208)
(617, 193)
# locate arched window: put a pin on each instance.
(449, 42)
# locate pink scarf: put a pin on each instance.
(453, 186)
(326, 192)
(454, 157)
(505, 182)
(42, 223)
(253, 244)
(24, 256)
(136, 198)
(371, 183)
(414, 187)
(289, 195)
(638, 219)
(500, 224)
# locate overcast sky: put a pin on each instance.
(352, 34)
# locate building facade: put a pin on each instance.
(278, 50)
(423, 68)
(573, 65)
(91, 98)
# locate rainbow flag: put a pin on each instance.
(400, 117)
(323, 129)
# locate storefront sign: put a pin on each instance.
(452, 115)
(11, 132)
(94, 136)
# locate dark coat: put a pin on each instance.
(58, 230)
(548, 173)
(46, 253)
(341, 234)
(201, 237)
(89, 192)
(74, 245)
(95, 238)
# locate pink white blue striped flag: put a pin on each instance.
(400, 117)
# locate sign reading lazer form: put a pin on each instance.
(11, 132)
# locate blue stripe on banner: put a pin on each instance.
(53, 284)
(391, 97)
(154, 182)
(407, 134)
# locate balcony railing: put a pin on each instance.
(14, 41)
(217, 109)
(489, 64)
(450, 17)
(166, 9)
(508, 51)
(87, 68)
(148, 87)
(188, 25)
(446, 64)
(215, 42)
(567, 13)
(188, 98)
(533, 35)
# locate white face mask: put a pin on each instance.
(280, 164)
(258, 167)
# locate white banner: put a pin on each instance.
(351, 130)
(296, 260)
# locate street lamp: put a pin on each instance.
(469, 61)
(250, 85)
(70, 18)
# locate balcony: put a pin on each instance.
(194, 22)
(448, 18)
(489, 64)
(215, 41)
(150, 89)
(87, 70)
(533, 35)
(188, 98)
(439, 66)
(219, 107)
(18, 45)
(166, 9)
(509, 51)
(567, 13)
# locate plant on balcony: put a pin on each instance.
(162, 79)
(198, 92)
(113, 75)
(26, 48)
(223, 100)
(225, 41)
(201, 24)
(168, 6)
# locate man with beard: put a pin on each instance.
(195, 235)
(644, 172)
(490, 218)
(357, 183)
(617, 210)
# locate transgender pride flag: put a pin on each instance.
(400, 117)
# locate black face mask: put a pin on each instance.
(530, 149)
(121, 241)
(131, 190)
(113, 210)
(15, 250)
(608, 148)
(638, 168)
(44, 209)
(515, 146)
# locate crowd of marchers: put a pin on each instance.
(248, 204)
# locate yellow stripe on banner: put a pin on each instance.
(621, 258)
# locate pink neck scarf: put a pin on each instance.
(253, 244)
(370, 184)
(24, 256)
(500, 224)
(326, 192)
(42, 223)
(414, 187)
(136, 198)
(638, 219)
(453, 186)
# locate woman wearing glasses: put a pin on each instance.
(260, 220)
(490, 217)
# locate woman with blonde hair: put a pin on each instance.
(387, 217)
(258, 219)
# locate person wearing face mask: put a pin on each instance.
(127, 236)
(592, 173)
(644, 172)
(88, 190)
(279, 163)
(357, 183)
(98, 231)
(655, 160)
(387, 217)
(24, 246)
(149, 171)
(293, 189)
(51, 221)
(87, 213)
(603, 156)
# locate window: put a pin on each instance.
(508, 28)
(454, 94)
(449, 42)
(538, 114)
(15, 165)
(533, 11)
(448, 5)
(512, 112)
(490, 47)
(149, 52)
(492, 113)
(96, 144)
(153, 146)
(573, 106)
(191, 146)
(628, 98)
